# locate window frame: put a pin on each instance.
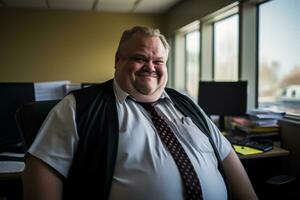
(248, 52)
(180, 56)
(294, 116)
(230, 14)
(207, 40)
(191, 30)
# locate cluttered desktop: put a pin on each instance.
(250, 132)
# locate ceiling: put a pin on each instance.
(136, 6)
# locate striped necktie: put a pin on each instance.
(188, 174)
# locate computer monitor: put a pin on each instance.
(12, 96)
(223, 99)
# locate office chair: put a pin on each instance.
(29, 118)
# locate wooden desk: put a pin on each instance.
(275, 152)
(261, 167)
(11, 168)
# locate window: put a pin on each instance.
(226, 49)
(192, 48)
(279, 60)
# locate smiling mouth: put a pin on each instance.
(147, 74)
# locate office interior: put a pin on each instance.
(75, 46)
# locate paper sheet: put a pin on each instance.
(244, 150)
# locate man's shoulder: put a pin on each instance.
(95, 93)
(93, 90)
(173, 93)
(181, 100)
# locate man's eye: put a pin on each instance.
(137, 59)
(159, 62)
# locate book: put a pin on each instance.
(256, 129)
(264, 145)
(275, 136)
(246, 121)
(265, 114)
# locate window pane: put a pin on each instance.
(226, 49)
(279, 59)
(192, 41)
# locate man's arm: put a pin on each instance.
(239, 182)
(40, 181)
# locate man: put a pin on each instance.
(104, 142)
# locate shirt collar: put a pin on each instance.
(121, 95)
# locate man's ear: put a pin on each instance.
(117, 58)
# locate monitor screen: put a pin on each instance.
(223, 98)
(12, 96)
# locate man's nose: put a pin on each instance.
(149, 65)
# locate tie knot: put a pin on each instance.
(148, 106)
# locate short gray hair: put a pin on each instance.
(127, 34)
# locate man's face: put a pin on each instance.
(141, 67)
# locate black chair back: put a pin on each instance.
(30, 117)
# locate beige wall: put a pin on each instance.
(40, 45)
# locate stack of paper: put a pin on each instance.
(50, 90)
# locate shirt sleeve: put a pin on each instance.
(57, 139)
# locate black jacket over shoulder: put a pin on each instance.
(93, 165)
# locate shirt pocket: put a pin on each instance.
(192, 136)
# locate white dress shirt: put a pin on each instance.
(144, 169)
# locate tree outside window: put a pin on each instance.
(279, 60)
